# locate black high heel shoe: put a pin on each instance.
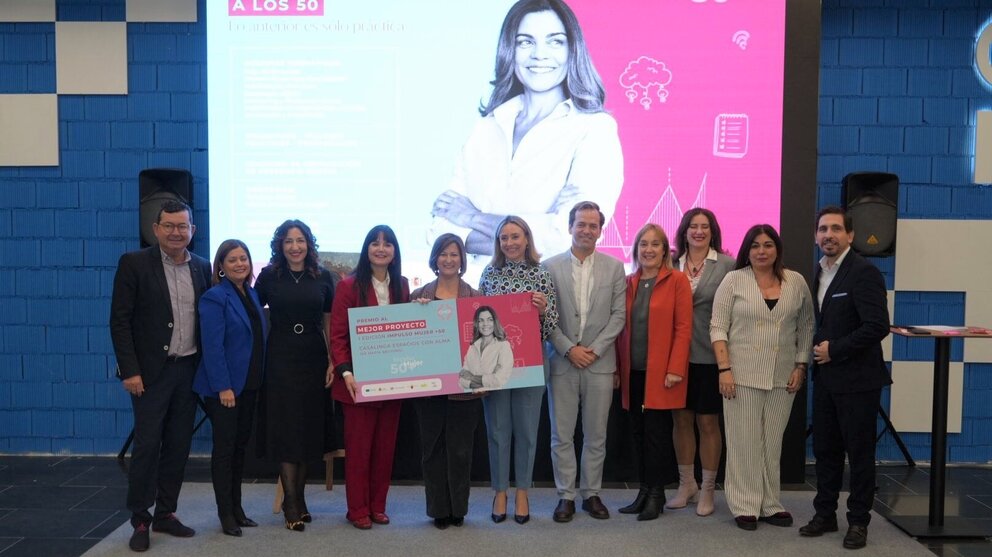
(497, 518)
(522, 518)
(297, 525)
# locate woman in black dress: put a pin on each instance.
(299, 294)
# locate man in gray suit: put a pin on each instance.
(591, 293)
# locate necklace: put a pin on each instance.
(695, 270)
(297, 279)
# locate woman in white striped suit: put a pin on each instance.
(762, 334)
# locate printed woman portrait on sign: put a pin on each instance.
(544, 140)
(489, 360)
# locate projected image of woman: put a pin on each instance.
(489, 360)
(544, 140)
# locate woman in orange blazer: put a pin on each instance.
(653, 351)
(369, 428)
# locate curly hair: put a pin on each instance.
(278, 260)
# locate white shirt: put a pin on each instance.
(381, 290)
(182, 294)
(827, 274)
(565, 158)
(582, 279)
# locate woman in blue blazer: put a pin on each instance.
(232, 335)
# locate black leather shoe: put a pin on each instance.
(456, 521)
(441, 523)
(139, 539)
(856, 538)
(242, 520)
(229, 525)
(818, 526)
(564, 511)
(746, 522)
(782, 519)
(171, 525)
(521, 518)
(595, 507)
(638, 504)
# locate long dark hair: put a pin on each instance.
(743, 256)
(582, 83)
(498, 332)
(682, 243)
(226, 247)
(363, 271)
(278, 260)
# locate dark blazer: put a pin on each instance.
(141, 311)
(226, 340)
(854, 318)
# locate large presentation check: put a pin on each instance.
(454, 346)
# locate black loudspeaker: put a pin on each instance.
(155, 187)
(872, 201)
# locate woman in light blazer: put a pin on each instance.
(762, 333)
(232, 336)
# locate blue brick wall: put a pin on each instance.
(898, 93)
(63, 228)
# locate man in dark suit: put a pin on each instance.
(852, 318)
(154, 330)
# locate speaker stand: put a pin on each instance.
(895, 435)
(888, 427)
(130, 436)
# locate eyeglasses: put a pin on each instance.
(171, 227)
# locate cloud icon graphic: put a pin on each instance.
(644, 78)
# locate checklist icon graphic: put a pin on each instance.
(730, 133)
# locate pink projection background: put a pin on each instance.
(352, 114)
(696, 89)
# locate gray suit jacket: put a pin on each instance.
(606, 314)
(701, 349)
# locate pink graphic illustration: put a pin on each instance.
(515, 335)
(741, 38)
(715, 141)
(516, 320)
(645, 78)
(730, 133)
(667, 212)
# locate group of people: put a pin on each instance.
(688, 336)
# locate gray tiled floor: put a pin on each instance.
(56, 506)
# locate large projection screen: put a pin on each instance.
(350, 114)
